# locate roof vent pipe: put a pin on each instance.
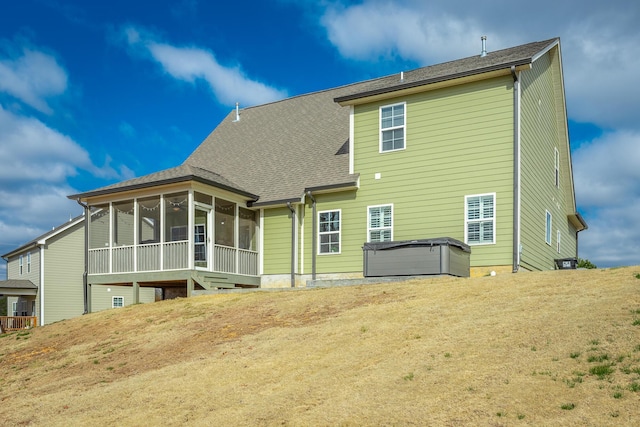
(484, 46)
(401, 76)
(237, 112)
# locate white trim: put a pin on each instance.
(301, 231)
(369, 220)
(519, 165)
(404, 127)
(351, 139)
(535, 57)
(494, 219)
(20, 264)
(558, 236)
(556, 167)
(319, 252)
(261, 244)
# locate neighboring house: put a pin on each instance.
(475, 149)
(45, 278)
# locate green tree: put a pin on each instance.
(585, 263)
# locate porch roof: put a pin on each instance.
(17, 287)
(182, 173)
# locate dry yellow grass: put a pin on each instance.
(519, 349)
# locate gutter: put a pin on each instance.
(516, 170)
(293, 244)
(314, 237)
(87, 216)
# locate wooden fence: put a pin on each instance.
(16, 323)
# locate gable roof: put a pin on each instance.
(473, 65)
(277, 151)
(17, 284)
(42, 239)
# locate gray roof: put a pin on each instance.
(180, 173)
(32, 243)
(17, 284)
(500, 59)
(278, 150)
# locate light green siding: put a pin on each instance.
(543, 130)
(459, 141)
(277, 241)
(64, 266)
(102, 296)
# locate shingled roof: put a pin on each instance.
(276, 151)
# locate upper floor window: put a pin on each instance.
(329, 232)
(380, 223)
(480, 219)
(392, 127)
(557, 167)
(547, 230)
(28, 262)
(558, 241)
(20, 261)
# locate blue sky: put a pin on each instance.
(93, 93)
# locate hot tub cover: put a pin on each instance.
(439, 241)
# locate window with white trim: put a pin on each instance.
(28, 262)
(392, 127)
(547, 228)
(557, 167)
(117, 302)
(380, 223)
(558, 241)
(20, 261)
(329, 232)
(480, 219)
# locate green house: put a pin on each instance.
(475, 150)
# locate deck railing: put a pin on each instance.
(168, 256)
(16, 323)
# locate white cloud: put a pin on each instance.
(383, 30)
(32, 78)
(191, 64)
(607, 183)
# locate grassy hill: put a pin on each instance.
(552, 348)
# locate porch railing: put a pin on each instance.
(169, 256)
(16, 323)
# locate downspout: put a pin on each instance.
(314, 243)
(293, 244)
(42, 285)
(516, 170)
(87, 215)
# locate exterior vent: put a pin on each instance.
(484, 46)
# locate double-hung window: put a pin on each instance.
(117, 302)
(28, 262)
(329, 232)
(380, 221)
(480, 219)
(547, 229)
(558, 234)
(392, 127)
(20, 261)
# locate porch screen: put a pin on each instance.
(176, 217)
(99, 227)
(123, 223)
(225, 222)
(149, 220)
(247, 232)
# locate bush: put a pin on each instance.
(585, 263)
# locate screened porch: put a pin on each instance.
(176, 231)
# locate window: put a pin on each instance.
(392, 127)
(225, 222)
(380, 223)
(149, 220)
(558, 241)
(247, 229)
(200, 242)
(20, 264)
(14, 308)
(28, 262)
(480, 219)
(117, 302)
(329, 232)
(557, 167)
(176, 216)
(547, 230)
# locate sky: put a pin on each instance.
(93, 93)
